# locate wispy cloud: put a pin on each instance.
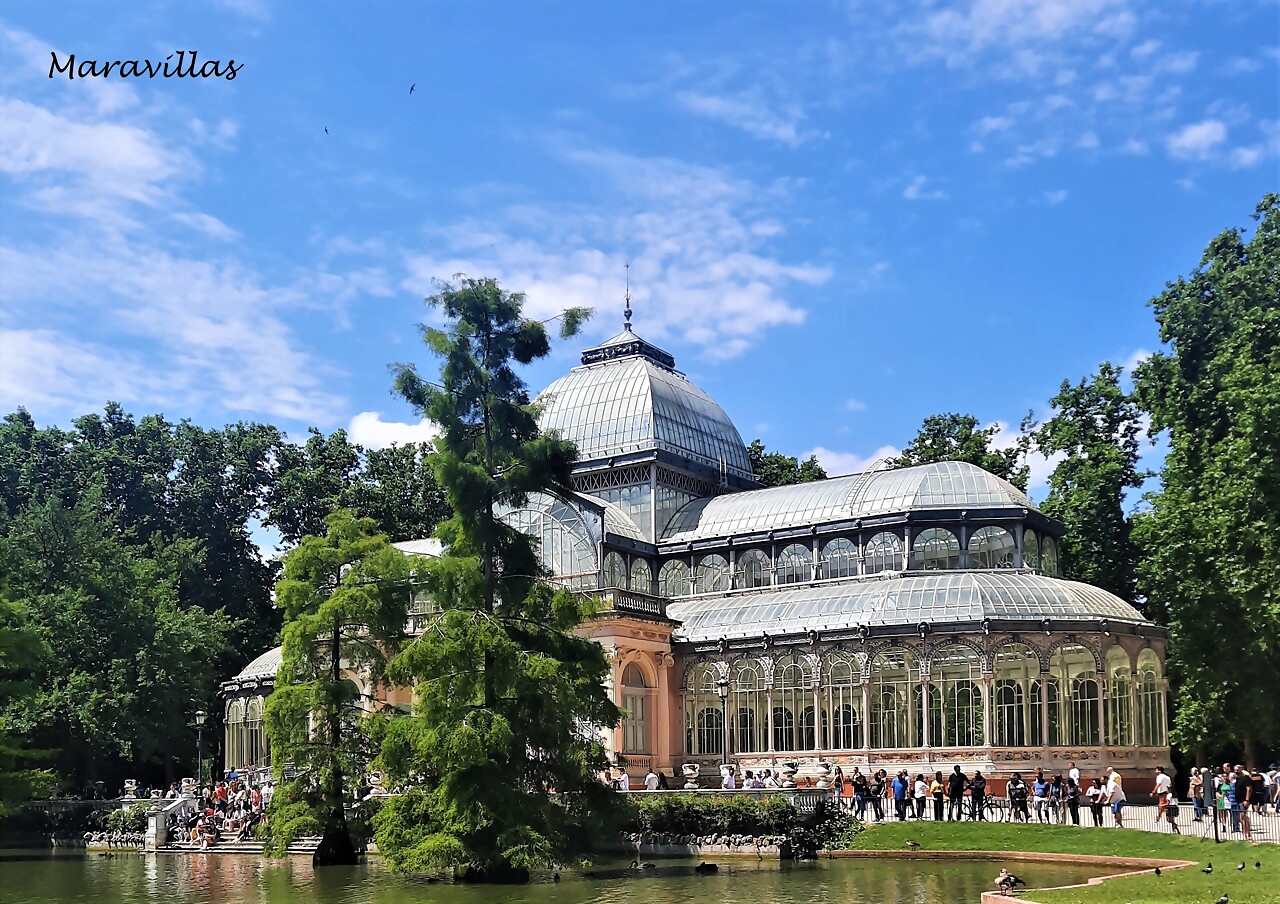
(1197, 141)
(750, 112)
(855, 405)
(1056, 197)
(836, 463)
(917, 190)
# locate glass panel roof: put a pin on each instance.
(632, 404)
(616, 521)
(265, 666)
(902, 600)
(947, 484)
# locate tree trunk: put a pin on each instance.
(1250, 749)
(335, 847)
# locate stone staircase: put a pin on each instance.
(301, 847)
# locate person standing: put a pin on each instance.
(1197, 794)
(936, 789)
(1017, 794)
(1057, 793)
(1161, 790)
(1096, 796)
(859, 783)
(901, 794)
(876, 790)
(1115, 796)
(1040, 788)
(978, 795)
(1073, 773)
(1073, 801)
(651, 780)
(920, 794)
(955, 795)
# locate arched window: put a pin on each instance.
(748, 707)
(991, 547)
(839, 559)
(957, 680)
(1030, 549)
(703, 718)
(615, 570)
(792, 694)
(753, 569)
(1073, 697)
(795, 564)
(1049, 556)
(635, 706)
(1118, 702)
(712, 574)
(884, 553)
(254, 746)
(235, 733)
(1016, 673)
(673, 579)
(842, 704)
(935, 549)
(560, 536)
(1152, 721)
(895, 680)
(641, 577)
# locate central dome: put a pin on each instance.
(627, 397)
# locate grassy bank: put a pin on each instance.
(1177, 886)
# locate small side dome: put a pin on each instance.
(265, 666)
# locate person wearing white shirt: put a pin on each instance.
(728, 782)
(1073, 773)
(651, 781)
(1115, 796)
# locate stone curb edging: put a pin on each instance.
(1137, 865)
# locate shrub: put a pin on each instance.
(132, 818)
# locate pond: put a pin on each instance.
(31, 877)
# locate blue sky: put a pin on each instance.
(841, 217)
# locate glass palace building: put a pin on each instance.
(911, 618)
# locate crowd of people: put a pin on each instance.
(1235, 793)
(228, 810)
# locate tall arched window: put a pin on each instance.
(748, 708)
(753, 569)
(991, 547)
(712, 575)
(1049, 556)
(792, 695)
(895, 680)
(841, 704)
(235, 734)
(795, 564)
(641, 576)
(1016, 673)
(1073, 697)
(703, 718)
(635, 705)
(254, 752)
(956, 671)
(839, 559)
(1152, 721)
(884, 553)
(615, 570)
(561, 537)
(673, 579)
(1030, 549)
(935, 549)
(1118, 698)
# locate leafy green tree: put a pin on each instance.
(21, 653)
(773, 469)
(1094, 426)
(129, 662)
(508, 696)
(1210, 541)
(959, 437)
(345, 599)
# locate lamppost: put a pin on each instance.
(722, 688)
(201, 715)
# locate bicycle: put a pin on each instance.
(993, 809)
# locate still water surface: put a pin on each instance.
(37, 878)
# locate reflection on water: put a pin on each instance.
(230, 879)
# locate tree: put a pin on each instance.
(345, 600)
(1095, 427)
(21, 653)
(508, 699)
(1211, 538)
(773, 469)
(958, 437)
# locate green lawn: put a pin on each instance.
(1252, 886)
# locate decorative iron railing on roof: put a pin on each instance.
(630, 602)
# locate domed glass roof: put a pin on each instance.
(898, 600)
(265, 666)
(941, 485)
(627, 397)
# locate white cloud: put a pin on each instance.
(855, 405)
(837, 463)
(1056, 197)
(1139, 355)
(750, 112)
(369, 430)
(1039, 465)
(1088, 141)
(988, 124)
(1196, 141)
(916, 191)
(1135, 147)
(1245, 157)
(45, 369)
(700, 272)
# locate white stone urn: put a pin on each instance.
(691, 772)
(788, 771)
(824, 775)
(157, 794)
(131, 789)
(727, 769)
(376, 788)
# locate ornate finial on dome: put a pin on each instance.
(626, 314)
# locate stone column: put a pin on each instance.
(906, 547)
(663, 748)
(768, 717)
(1044, 709)
(866, 716)
(818, 720)
(924, 712)
(988, 708)
(817, 566)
